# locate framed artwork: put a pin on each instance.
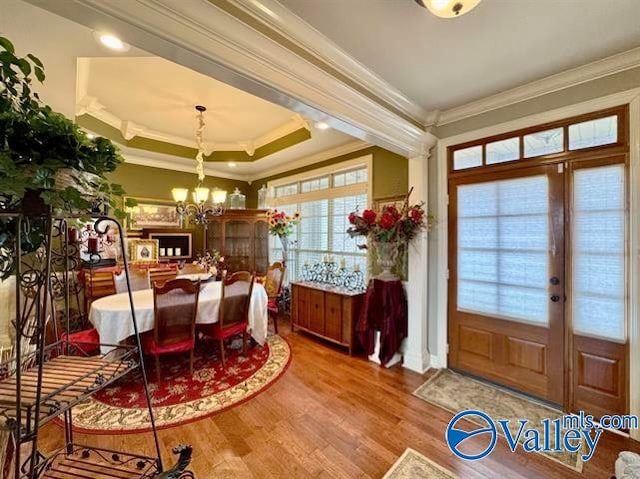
(143, 250)
(152, 213)
(395, 200)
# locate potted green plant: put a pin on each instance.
(48, 165)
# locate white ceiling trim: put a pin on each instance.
(286, 23)
(262, 168)
(87, 104)
(198, 35)
(258, 169)
(91, 106)
(576, 76)
(167, 162)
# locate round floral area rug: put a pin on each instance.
(181, 398)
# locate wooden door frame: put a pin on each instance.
(438, 294)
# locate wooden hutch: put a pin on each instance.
(242, 237)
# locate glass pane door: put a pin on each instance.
(506, 314)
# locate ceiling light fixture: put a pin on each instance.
(231, 164)
(321, 125)
(200, 210)
(448, 8)
(111, 41)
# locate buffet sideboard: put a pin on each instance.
(327, 312)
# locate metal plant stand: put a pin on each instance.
(46, 375)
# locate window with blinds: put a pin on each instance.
(324, 204)
(503, 248)
(598, 252)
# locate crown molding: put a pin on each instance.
(294, 29)
(566, 79)
(89, 105)
(265, 167)
(257, 170)
(167, 162)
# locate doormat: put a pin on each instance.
(455, 392)
(413, 465)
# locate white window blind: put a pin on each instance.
(598, 252)
(324, 203)
(503, 248)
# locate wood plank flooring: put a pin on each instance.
(333, 416)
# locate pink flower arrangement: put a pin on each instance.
(281, 224)
(390, 223)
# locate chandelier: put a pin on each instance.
(201, 208)
(448, 8)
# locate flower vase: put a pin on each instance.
(284, 240)
(387, 252)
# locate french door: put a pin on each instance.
(537, 281)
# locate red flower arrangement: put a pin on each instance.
(390, 224)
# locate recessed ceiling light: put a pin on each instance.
(231, 164)
(321, 125)
(111, 42)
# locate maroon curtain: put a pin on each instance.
(384, 310)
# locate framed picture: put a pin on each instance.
(143, 250)
(395, 200)
(152, 213)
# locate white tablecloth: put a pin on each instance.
(111, 315)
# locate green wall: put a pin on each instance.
(390, 173)
(390, 177)
(156, 183)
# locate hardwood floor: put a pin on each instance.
(331, 415)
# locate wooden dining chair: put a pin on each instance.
(97, 284)
(163, 273)
(175, 308)
(273, 287)
(139, 279)
(233, 312)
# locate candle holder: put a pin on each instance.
(330, 273)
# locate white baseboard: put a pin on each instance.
(419, 363)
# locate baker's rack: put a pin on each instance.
(46, 375)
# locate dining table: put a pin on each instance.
(111, 315)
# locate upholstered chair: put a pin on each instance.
(273, 287)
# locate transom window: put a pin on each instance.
(587, 132)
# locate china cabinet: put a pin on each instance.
(242, 238)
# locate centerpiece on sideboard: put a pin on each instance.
(389, 231)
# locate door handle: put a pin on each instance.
(554, 280)
(555, 298)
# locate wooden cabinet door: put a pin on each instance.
(316, 311)
(302, 306)
(333, 317)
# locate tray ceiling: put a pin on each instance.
(148, 103)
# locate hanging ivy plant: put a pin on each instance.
(44, 156)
